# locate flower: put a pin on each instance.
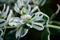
(36, 19)
(32, 20)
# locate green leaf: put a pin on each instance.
(54, 31)
(45, 34)
(10, 36)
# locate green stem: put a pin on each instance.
(8, 27)
(49, 26)
(53, 26)
(4, 31)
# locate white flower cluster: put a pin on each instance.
(31, 16)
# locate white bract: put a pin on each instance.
(21, 32)
(18, 5)
(15, 21)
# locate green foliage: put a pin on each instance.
(45, 34)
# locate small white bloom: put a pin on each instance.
(34, 18)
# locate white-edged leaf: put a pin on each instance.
(38, 26)
(29, 25)
(14, 21)
(34, 9)
(16, 8)
(10, 15)
(44, 1)
(4, 7)
(2, 24)
(21, 32)
(20, 3)
(24, 32)
(37, 17)
(29, 9)
(6, 12)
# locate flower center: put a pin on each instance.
(26, 17)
